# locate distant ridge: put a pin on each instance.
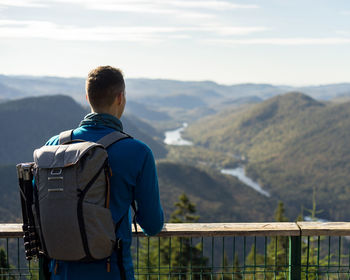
(24, 86)
(29, 122)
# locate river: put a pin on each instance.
(240, 174)
(173, 137)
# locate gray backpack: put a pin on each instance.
(72, 198)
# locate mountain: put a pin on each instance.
(207, 91)
(7, 92)
(218, 197)
(292, 145)
(166, 103)
(146, 133)
(178, 101)
(29, 122)
(25, 86)
(10, 210)
(327, 92)
(146, 111)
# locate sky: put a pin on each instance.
(290, 42)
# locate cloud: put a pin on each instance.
(149, 8)
(180, 8)
(194, 15)
(52, 31)
(212, 5)
(343, 32)
(49, 30)
(282, 41)
(158, 5)
(146, 6)
(345, 12)
(224, 30)
(23, 3)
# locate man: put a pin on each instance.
(134, 175)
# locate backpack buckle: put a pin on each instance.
(56, 171)
(119, 243)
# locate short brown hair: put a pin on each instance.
(103, 85)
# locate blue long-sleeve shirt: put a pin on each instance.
(134, 178)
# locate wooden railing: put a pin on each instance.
(301, 250)
(228, 229)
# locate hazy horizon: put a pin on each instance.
(177, 80)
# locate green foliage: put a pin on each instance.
(28, 123)
(253, 261)
(311, 251)
(292, 144)
(184, 212)
(313, 212)
(227, 272)
(9, 194)
(237, 271)
(219, 197)
(200, 156)
(176, 256)
(4, 266)
(314, 259)
(279, 213)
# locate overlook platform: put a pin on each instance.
(302, 250)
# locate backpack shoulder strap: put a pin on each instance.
(65, 136)
(112, 137)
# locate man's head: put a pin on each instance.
(105, 90)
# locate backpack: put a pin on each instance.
(71, 199)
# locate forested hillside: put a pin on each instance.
(218, 197)
(291, 144)
(9, 193)
(28, 123)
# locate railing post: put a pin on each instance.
(294, 257)
(41, 269)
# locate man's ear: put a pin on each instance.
(120, 98)
(87, 97)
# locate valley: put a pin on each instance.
(245, 147)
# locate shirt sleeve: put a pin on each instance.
(149, 214)
(52, 141)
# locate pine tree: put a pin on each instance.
(277, 249)
(236, 268)
(253, 260)
(311, 244)
(177, 255)
(4, 265)
(184, 212)
(280, 213)
(225, 270)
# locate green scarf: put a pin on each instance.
(102, 119)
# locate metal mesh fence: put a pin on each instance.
(214, 257)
